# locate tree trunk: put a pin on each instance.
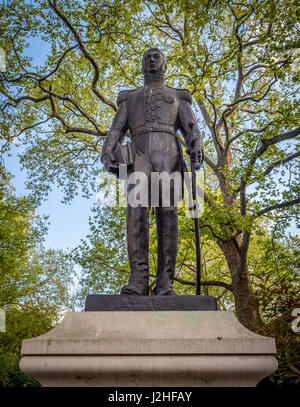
(246, 304)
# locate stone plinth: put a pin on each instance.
(149, 348)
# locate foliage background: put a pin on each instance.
(240, 60)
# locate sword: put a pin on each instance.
(196, 221)
(196, 227)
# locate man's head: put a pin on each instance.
(153, 62)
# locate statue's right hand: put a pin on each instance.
(110, 163)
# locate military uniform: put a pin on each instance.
(153, 114)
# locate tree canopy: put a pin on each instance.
(36, 284)
(239, 60)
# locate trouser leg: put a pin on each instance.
(167, 239)
(137, 244)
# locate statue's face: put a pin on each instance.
(153, 61)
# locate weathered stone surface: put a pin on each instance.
(145, 348)
(150, 371)
(96, 302)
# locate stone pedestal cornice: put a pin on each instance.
(149, 348)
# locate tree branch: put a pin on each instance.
(77, 106)
(279, 162)
(58, 62)
(211, 164)
(85, 53)
(70, 129)
(277, 206)
(265, 144)
(205, 283)
(25, 97)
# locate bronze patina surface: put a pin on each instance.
(153, 114)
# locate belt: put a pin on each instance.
(135, 136)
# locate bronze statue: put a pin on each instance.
(153, 114)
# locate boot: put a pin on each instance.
(167, 239)
(137, 244)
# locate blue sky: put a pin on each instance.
(68, 222)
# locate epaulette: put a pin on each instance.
(185, 95)
(123, 95)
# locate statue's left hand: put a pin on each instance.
(197, 157)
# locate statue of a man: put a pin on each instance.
(153, 114)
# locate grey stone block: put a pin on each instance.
(149, 348)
